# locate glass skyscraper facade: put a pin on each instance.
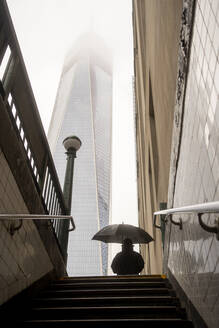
(84, 108)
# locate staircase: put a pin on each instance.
(139, 301)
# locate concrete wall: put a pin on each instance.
(23, 258)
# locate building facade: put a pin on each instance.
(156, 39)
(177, 79)
(84, 108)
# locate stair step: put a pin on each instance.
(107, 323)
(113, 312)
(105, 301)
(97, 302)
(103, 284)
(111, 279)
(110, 292)
(115, 276)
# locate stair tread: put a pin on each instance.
(106, 298)
(108, 284)
(107, 291)
(115, 277)
(106, 307)
(110, 320)
(111, 278)
(112, 289)
(140, 323)
(112, 285)
(73, 280)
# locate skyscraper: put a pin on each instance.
(84, 108)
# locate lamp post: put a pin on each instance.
(71, 144)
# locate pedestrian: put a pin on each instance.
(127, 262)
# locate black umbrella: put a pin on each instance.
(116, 233)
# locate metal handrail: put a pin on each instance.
(22, 217)
(200, 209)
(33, 217)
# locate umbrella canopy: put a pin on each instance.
(116, 233)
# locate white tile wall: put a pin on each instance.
(23, 258)
(194, 253)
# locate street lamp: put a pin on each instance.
(72, 145)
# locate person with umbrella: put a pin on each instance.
(127, 261)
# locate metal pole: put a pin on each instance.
(71, 144)
(68, 184)
(67, 193)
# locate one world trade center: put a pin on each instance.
(83, 108)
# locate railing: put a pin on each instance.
(21, 108)
(14, 217)
(200, 209)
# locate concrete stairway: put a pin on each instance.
(139, 301)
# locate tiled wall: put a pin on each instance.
(194, 253)
(23, 258)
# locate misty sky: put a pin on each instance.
(46, 30)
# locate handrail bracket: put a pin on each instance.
(178, 223)
(164, 220)
(212, 229)
(13, 228)
(155, 224)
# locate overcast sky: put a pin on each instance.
(46, 30)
